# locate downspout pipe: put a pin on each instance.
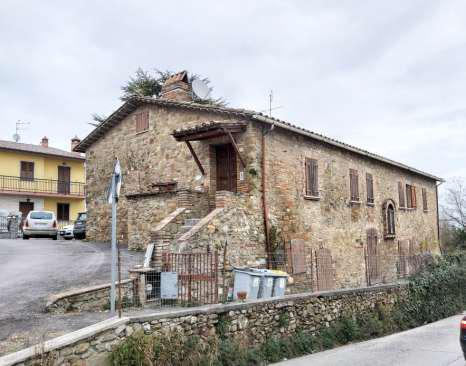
(265, 208)
(438, 215)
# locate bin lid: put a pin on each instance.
(249, 271)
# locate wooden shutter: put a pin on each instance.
(354, 186)
(298, 256)
(142, 121)
(312, 177)
(409, 195)
(325, 274)
(401, 195)
(424, 199)
(370, 188)
(413, 197)
(27, 170)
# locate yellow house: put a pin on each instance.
(39, 177)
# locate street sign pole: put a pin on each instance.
(114, 249)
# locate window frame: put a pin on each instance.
(389, 219)
(370, 199)
(22, 172)
(141, 121)
(355, 197)
(425, 206)
(311, 178)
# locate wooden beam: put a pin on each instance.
(196, 159)
(233, 142)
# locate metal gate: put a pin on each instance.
(325, 276)
(197, 276)
(9, 228)
(372, 267)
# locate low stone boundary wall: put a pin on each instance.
(252, 321)
(94, 298)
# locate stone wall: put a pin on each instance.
(250, 322)
(95, 298)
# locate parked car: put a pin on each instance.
(79, 230)
(40, 224)
(463, 335)
(67, 232)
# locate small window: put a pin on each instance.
(424, 200)
(27, 170)
(389, 219)
(142, 121)
(354, 185)
(411, 201)
(401, 195)
(312, 178)
(370, 188)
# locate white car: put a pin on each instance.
(40, 224)
(67, 232)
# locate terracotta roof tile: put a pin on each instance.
(39, 149)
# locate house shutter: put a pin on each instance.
(27, 170)
(409, 195)
(354, 189)
(308, 176)
(142, 121)
(370, 188)
(424, 199)
(413, 197)
(401, 195)
(298, 256)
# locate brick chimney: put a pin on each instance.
(45, 141)
(75, 142)
(177, 87)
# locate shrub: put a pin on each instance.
(347, 330)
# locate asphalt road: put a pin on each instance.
(435, 344)
(31, 270)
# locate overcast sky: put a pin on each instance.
(387, 76)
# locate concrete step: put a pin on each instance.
(191, 222)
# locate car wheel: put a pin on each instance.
(68, 238)
(25, 237)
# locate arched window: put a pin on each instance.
(389, 219)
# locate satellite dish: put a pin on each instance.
(200, 89)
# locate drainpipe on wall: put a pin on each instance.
(264, 197)
(438, 218)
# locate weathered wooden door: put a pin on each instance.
(226, 168)
(325, 277)
(372, 269)
(25, 208)
(403, 257)
(64, 173)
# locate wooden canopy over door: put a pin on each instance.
(64, 176)
(226, 167)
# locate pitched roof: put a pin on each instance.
(134, 102)
(39, 149)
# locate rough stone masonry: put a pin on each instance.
(365, 213)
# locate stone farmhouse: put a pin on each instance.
(197, 176)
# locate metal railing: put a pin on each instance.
(45, 186)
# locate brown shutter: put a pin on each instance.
(314, 177)
(409, 195)
(27, 170)
(370, 188)
(142, 121)
(413, 197)
(401, 195)
(307, 172)
(298, 256)
(354, 189)
(424, 199)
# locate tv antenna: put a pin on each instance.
(19, 127)
(271, 108)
